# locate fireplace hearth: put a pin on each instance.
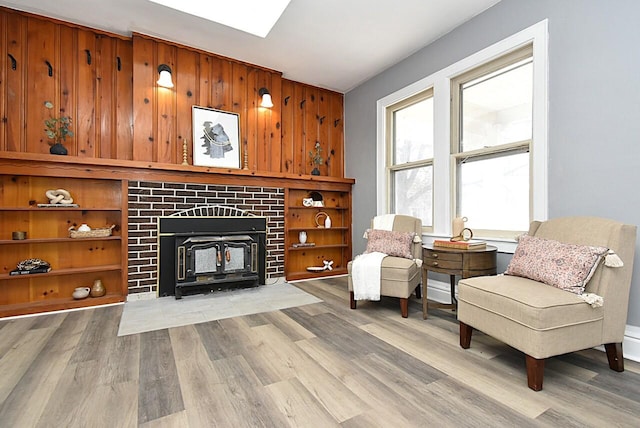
(205, 253)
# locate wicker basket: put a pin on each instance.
(93, 233)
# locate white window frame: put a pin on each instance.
(440, 81)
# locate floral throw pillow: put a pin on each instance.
(390, 242)
(565, 266)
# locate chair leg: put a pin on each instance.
(614, 355)
(465, 335)
(419, 292)
(352, 301)
(535, 372)
(404, 307)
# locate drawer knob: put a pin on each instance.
(435, 256)
(434, 264)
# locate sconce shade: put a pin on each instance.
(165, 76)
(266, 98)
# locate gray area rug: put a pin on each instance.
(166, 312)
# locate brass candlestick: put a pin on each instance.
(246, 156)
(184, 152)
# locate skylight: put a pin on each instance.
(255, 17)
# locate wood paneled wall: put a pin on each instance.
(86, 75)
(107, 84)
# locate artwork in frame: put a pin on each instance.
(216, 138)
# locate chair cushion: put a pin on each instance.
(530, 303)
(390, 242)
(565, 266)
(398, 269)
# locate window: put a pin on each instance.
(410, 161)
(491, 135)
(482, 153)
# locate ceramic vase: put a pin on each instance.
(81, 292)
(302, 237)
(58, 149)
(98, 290)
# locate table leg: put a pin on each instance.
(424, 293)
(452, 280)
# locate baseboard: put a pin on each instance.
(631, 343)
(440, 292)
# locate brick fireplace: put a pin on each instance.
(150, 200)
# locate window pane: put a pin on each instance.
(413, 132)
(497, 108)
(413, 192)
(494, 193)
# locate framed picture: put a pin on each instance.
(216, 138)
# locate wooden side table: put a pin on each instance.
(453, 261)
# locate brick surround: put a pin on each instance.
(150, 200)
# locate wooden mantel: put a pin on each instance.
(73, 166)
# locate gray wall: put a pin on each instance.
(594, 107)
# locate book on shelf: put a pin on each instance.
(41, 269)
(463, 245)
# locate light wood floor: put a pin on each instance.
(320, 365)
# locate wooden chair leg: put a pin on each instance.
(614, 355)
(352, 301)
(535, 372)
(465, 335)
(404, 307)
(419, 292)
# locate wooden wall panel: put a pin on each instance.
(287, 126)
(84, 112)
(251, 128)
(239, 105)
(12, 82)
(310, 111)
(41, 71)
(275, 87)
(165, 135)
(220, 73)
(123, 91)
(106, 144)
(299, 153)
(336, 135)
(117, 88)
(322, 116)
(145, 72)
(186, 93)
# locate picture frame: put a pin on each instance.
(216, 138)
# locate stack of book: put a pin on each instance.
(472, 244)
(40, 269)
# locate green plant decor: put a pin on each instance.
(316, 158)
(57, 128)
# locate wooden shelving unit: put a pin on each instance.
(74, 262)
(332, 243)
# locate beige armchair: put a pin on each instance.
(543, 321)
(399, 277)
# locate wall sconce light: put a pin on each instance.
(266, 98)
(165, 76)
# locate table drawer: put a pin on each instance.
(429, 255)
(449, 265)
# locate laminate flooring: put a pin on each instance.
(318, 365)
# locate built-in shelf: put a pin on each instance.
(332, 243)
(75, 262)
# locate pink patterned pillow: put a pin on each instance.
(390, 242)
(565, 266)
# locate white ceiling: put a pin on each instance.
(334, 44)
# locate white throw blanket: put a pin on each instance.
(365, 276)
(365, 269)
